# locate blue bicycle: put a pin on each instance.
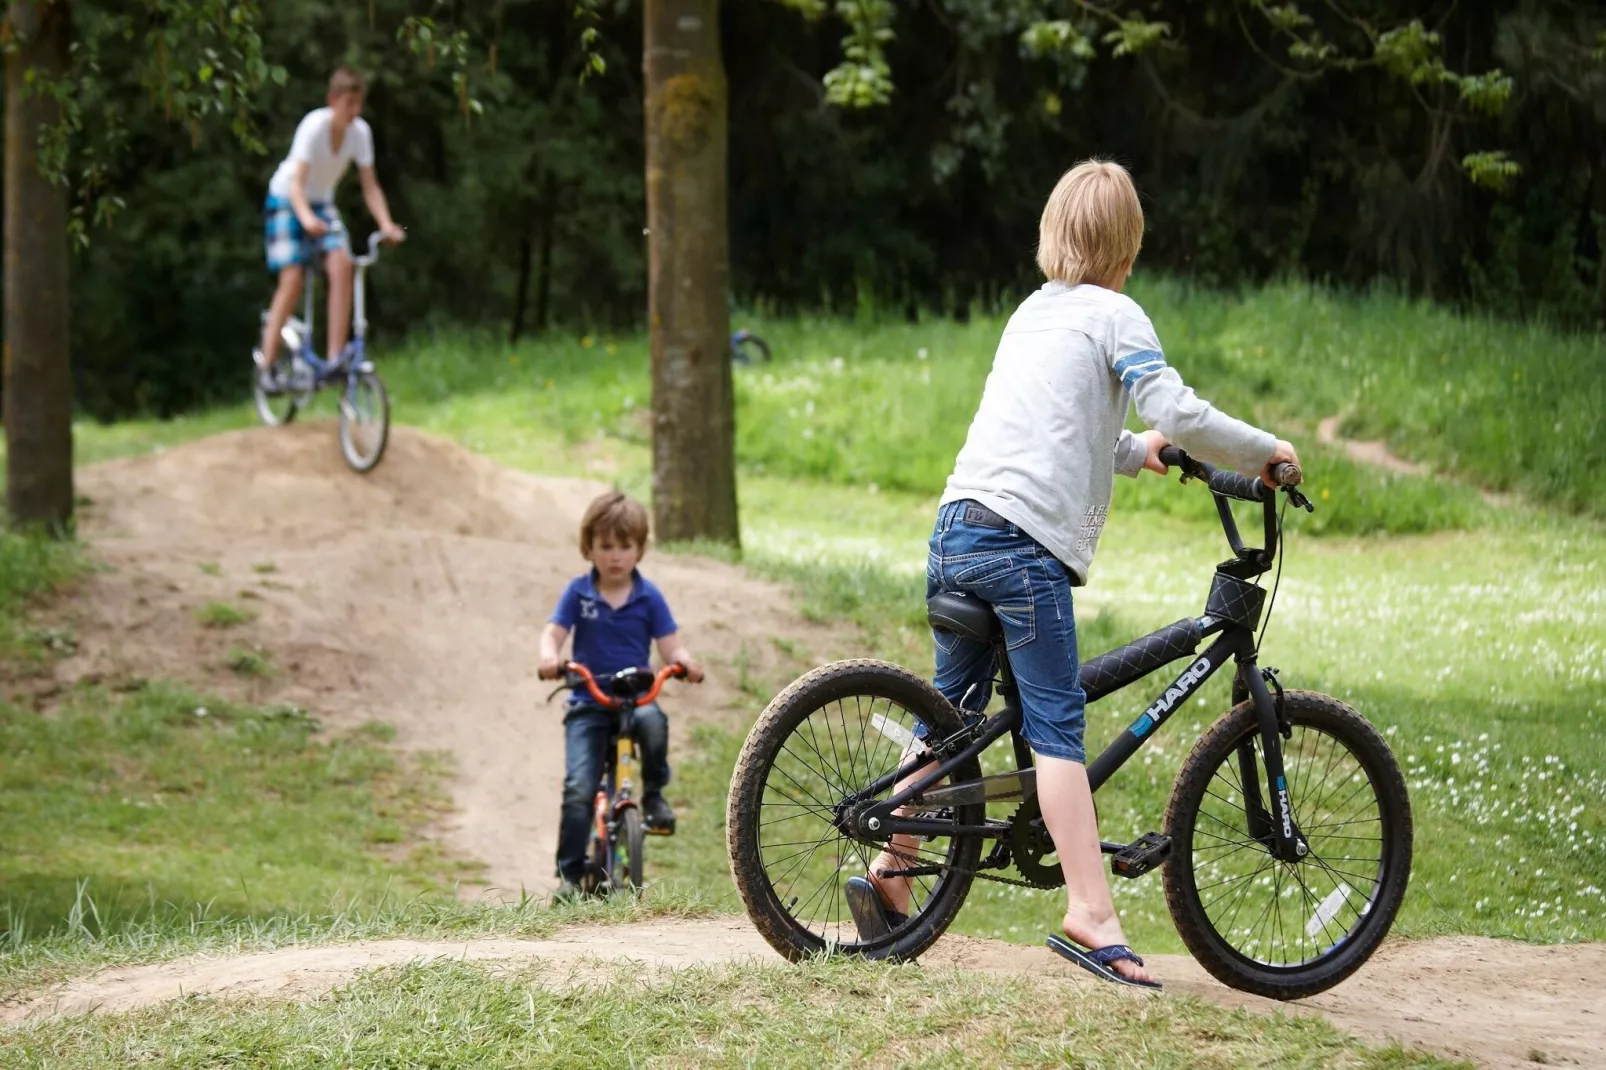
(364, 405)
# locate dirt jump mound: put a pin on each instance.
(413, 595)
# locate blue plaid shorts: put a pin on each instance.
(287, 242)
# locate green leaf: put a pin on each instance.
(1491, 170)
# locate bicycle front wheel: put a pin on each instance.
(630, 854)
(364, 421)
(826, 738)
(1287, 930)
(275, 408)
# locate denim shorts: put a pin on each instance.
(1030, 590)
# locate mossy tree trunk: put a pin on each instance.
(688, 265)
(38, 377)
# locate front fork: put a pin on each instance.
(1274, 827)
(605, 815)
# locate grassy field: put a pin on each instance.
(1473, 635)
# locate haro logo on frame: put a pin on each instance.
(1172, 696)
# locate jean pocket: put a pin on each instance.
(1009, 592)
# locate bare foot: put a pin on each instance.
(894, 891)
(1094, 933)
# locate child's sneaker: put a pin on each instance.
(660, 817)
(267, 374)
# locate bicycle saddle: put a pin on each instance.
(961, 614)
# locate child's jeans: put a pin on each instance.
(587, 729)
(976, 551)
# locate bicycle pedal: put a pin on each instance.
(1141, 855)
(660, 830)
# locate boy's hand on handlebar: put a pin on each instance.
(551, 669)
(315, 226)
(694, 671)
(1156, 442)
(394, 234)
(1283, 454)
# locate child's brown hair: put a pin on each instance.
(617, 516)
(346, 80)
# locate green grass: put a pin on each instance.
(31, 566)
(223, 615)
(160, 800)
(249, 662)
(829, 1013)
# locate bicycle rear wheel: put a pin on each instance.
(1280, 929)
(824, 739)
(364, 421)
(630, 852)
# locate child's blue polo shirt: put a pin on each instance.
(608, 639)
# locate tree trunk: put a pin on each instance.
(688, 273)
(38, 377)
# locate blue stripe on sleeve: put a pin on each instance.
(1135, 366)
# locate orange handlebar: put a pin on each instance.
(612, 701)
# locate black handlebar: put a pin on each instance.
(1229, 483)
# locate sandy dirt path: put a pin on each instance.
(415, 595)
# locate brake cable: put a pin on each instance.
(1282, 547)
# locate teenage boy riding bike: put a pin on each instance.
(300, 222)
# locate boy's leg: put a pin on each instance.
(284, 301)
(652, 734)
(964, 676)
(586, 734)
(1040, 626)
(337, 267)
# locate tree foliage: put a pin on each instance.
(883, 155)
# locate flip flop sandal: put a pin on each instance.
(873, 918)
(1098, 962)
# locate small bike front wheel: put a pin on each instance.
(364, 421)
(749, 348)
(630, 853)
(810, 758)
(1279, 929)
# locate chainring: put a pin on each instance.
(1029, 844)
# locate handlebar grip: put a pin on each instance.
(1287, 474)
(1233, 485)
(1173, 457)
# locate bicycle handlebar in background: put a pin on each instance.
(375, 240)
(576, 674)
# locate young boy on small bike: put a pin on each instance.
(1022, 512)
(300, 221)
(616, 614)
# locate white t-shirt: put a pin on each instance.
(1047, 438)
(324, 165)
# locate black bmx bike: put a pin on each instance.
(1287, 839)
(617, 856)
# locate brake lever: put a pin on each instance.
(1299, 500)
(555, 690)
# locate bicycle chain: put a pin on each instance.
(1017, 882)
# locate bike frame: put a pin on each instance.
(1231, 614)
(357, 347)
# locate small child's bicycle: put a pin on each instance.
(364, 405)
(616, 858)
(1287, 842)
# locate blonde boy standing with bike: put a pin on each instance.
(300, 222)
(1021, 517)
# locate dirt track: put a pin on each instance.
(415, 596)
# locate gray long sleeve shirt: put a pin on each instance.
(1047, 440)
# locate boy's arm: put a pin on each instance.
(373, 195)
(1170, 406)
(553, 637)
(674, 652)
(1134, 453)
(310, 222)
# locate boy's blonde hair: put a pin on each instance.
(1092, 226)
(619, 517)
(346, 80)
